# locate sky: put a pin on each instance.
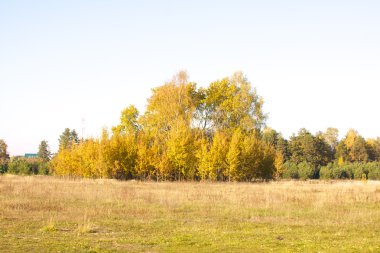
(78, 63)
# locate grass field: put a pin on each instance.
(48, 214)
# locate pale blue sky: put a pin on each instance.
(316, 63)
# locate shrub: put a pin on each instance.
(43, 168)
(3, 168)
(305, 170)
(18, 166)
(358, 170)
(27, 166)
(326, 172)
(355, 171)
(341, 173)
(373, 171)
(290, 170)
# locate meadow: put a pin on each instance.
(52, 214)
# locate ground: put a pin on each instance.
(51, 214)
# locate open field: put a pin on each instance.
(48, 214)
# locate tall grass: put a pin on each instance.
(39, 214)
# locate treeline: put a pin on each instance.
(215, 133)
(324, 156)
(25, 165)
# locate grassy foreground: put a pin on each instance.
(48, 214)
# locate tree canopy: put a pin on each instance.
(214, 132)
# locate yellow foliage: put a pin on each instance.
(203, 157)
(279, 163)
(340, 161)
(180, 150)
(350, 138)
(234, 156)
(165, 143)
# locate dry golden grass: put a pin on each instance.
(50, 214)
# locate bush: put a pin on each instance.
(27, 166)
(355, 171)
(326, 172)
(358, 170)
(346, 171)
(305, 170)
(302, 170)
(43, 168)
(373, 170)
(341, 173)
(3, 168)
(18, 166)
(290, 171)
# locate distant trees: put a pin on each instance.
(67, 139)
(331, 158)
(28, 166)
(331, 138)
(354, 148)
(4, 156)
(44, 151)
(23, 165)
(310, 149)
(373, 149)
(355, 170)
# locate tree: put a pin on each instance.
(230, 103)
(222, 122)
(358, 151)
(258, 159)
(282, 148)
(145, 166)
(119, 153)
(234, 157)
(275, 139)
(173, 101)
(180, 151)
(301, 147)
(279, 163)
(353, 147)
(4, 156)
(331, 138)
(341, 152)
(128, 121)
(323, 150)
(204, 159)
(167, 126)
(68, 138)
(270, 136)
(217, 156)
(306, 147)
(373, 148)
(44, 151)
(350, 138)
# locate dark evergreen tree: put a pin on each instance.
(68, 138)
(44, 151)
